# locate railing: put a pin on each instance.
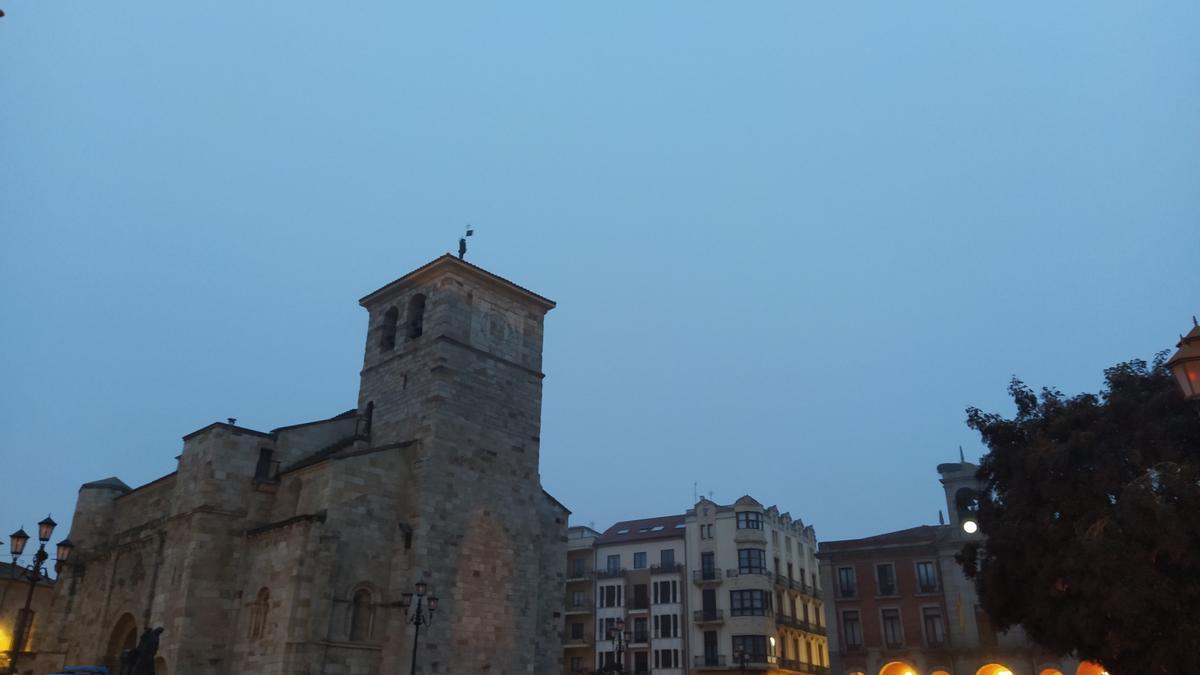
(927, 588)
(845, 593)
(789, 664)
(584, 605)
(886, 591)
(752, 611)
(583, 641)
(785, 620)
(666, 569)
(640, 637)
(733, 572)
(708, 615)
(818, 670)
(609, 573)
(702, 576)
(582, 575)
(639, 604)
(709, 660)
(893, 645)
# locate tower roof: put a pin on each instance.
(446, 263)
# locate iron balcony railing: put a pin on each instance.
(709, 661)
(640, 636)
(733, 572)
(609, 573)
(707, 576)
(666, 569)
(584, 605)
(708, 615)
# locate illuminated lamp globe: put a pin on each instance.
(970, 527)
(1185, 363)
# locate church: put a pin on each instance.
(290, 551)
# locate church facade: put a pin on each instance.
(288, 551)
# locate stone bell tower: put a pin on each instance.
(452, 377)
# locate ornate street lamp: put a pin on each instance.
(421, 615)
(34, 573)
(620, 639)
(1185, 363)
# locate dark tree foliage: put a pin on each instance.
(1092, 521)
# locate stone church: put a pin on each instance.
(286, 552)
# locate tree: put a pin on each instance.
(1091, 517)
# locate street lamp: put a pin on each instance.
(1185, 363)
(421, 615)
(34, 573)
(620, 639)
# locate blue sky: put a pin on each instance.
(790, 241)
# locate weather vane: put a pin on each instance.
(462, 242)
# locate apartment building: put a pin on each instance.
(901, 604)
(754, 589)
(579, 639)
(639, 584)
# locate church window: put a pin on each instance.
(361, 616)
(416, 316)
(258, 615)
(387, 335)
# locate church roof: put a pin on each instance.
(111, 483)
(448, 261)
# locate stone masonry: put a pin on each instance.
(287, 552)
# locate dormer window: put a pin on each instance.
(415, 320)
(387, 332)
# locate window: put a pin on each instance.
(576, 664)
(893, 635)
(641, 599)
(577, 599)
(387, 331)
(416, 316)
(666, 625)
(927, 580)
(852, 629)
(578, 568)
(666, 592)
(640, 631)
(708, 566)
(258, 615)
(610, 596)
(614, 563)
(935, 630)
(751, 520)
(748, 603)
(639, 561)
(885, 579)
(666, 558)
(754, 645)
(577, 631)
(666, 658)
(846, 585)
(752, 560)
(360, 616)
(266, 470)
(709, 528)
(607, 627)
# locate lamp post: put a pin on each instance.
(620, 639)
(1185, 363)
(742, 658)
(421, 615)
(34, 573)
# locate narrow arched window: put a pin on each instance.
(415, 319)
(360, 616)
(258, 614)
(387, 332)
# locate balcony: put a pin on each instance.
(609, 573)
(672, 568)
(640, 637)
(577, 576)
(582, 641)
(734, 572)
(582, 607)
(928, 588)
(709, 661)
(750, 535)
(640, 605)
(706, 577)
(708, 616)
(789, 621)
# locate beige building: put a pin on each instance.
(579, 639)
(14, 590)
(754, 590)
(287, 551)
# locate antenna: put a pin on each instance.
(960, 455)
(695, 497)
(941, 518)
(462, 242)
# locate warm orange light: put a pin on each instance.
(994, 669)
(1090, 668)
(897, 668)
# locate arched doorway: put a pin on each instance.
(124, 636)
(160, 666)
(1050, 670)
(1090, 668)
(898, 668)
(994, 669)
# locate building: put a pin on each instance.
(289, 551)
(14, 590)
(639, 579)
(901, 604)
(754, 589)
(579, 639)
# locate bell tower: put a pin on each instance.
(452, 378)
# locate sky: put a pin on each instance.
(790, 241)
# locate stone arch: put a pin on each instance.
(258, 613)
(360, 614)
(994, 669)
(124, 636)
(1090, 668)
(387, 330)
(941, 671)
(414, 320)
(897, 668)
(483, 598)
(1049, 670)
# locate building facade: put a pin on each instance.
(288, 551)
(901, 605)
(579, 638)
(754, 590)
(14, 590)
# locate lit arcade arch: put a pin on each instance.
(994, 669)
(897, 668)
